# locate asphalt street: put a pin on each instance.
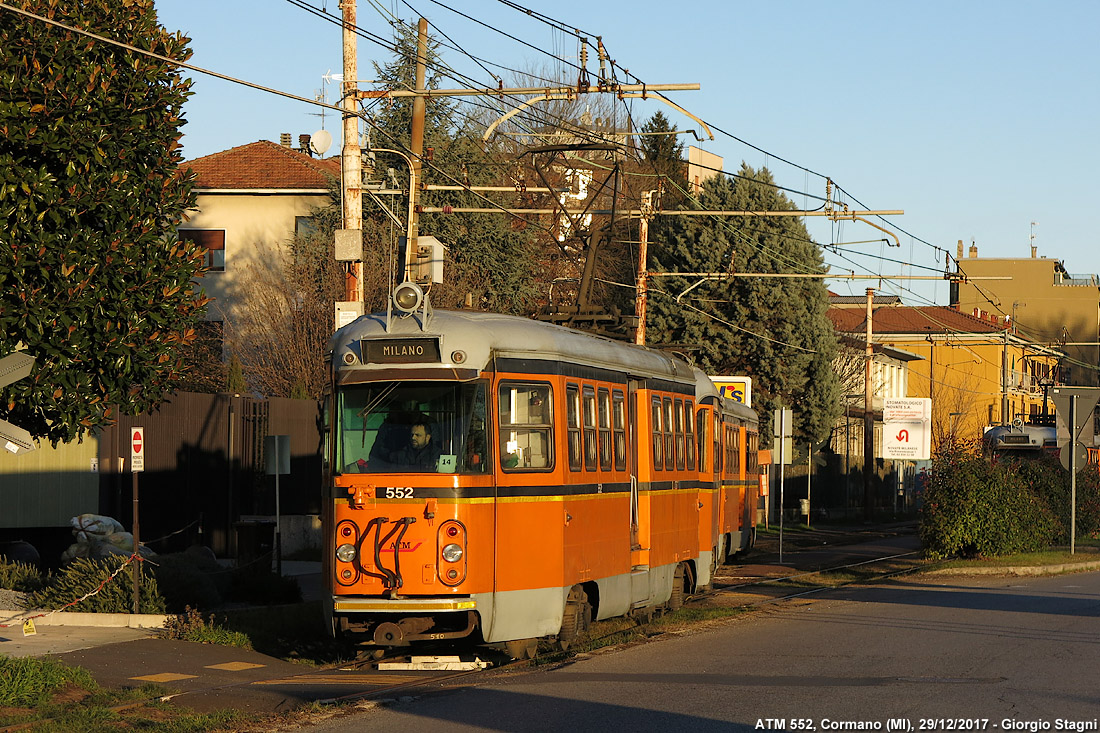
(941, 653)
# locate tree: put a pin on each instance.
(775, 330)
(664, 153)
(283, 319)
(487, 257)
(93, 283)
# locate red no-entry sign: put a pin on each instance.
(137, 449)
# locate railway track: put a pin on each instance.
(737, 589)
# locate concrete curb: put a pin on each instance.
(1069, 567)
(78, 618)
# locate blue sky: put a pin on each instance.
(976, 118)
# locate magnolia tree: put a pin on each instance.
(93, 282)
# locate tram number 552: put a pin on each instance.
(397, 492)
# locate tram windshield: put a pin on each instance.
(412, 427)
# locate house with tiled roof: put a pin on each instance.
(976, 370)
(252, 200)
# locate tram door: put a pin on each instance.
(639, 502)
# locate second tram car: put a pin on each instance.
(505, 479)
(1020, 440)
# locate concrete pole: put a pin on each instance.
(868, 421)
(642, 282)
(351, 158)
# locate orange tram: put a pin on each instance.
(567, 477)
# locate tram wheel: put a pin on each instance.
(576, 618)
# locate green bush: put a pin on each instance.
(83, 575)
(1047, 477)
(974, 508)
(19, 576)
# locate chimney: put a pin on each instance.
(960, 255)
(1034, 251)
(284, 139)
(973, 249)
(303, 145)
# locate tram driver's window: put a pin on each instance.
(525, 426)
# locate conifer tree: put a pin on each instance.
(774, 330)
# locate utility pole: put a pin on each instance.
(868, 420)
(351, 164)
(643, 256)
(417, 148)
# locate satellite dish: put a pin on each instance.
(320, 142)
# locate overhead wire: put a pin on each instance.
(389, 45)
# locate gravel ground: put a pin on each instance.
(10, 600)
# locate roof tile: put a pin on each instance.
(263, 164)
(923, 320)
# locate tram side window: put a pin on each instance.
(670, 436)
(573, 416)
(689, 434)
(731, 450)
(678, 428)
(736, 453)
(525, 427)
(717, 445)
(618, 417)
(753, 449)
(658, 437)
(603, 404)
(703, 437)
(588, 415)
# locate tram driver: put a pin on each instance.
(420, 453)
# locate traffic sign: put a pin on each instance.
(1078, 452)
(137, 449)
(1086, 402)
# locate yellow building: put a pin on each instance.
(977, 372)
(1043, 301)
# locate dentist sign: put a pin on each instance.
(907, 428)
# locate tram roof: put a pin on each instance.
(483, 336)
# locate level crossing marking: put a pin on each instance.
(355, 678)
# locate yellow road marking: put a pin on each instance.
(165, 677)
(235, 666)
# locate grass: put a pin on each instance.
(46, 695)
(1085, 550)
(191, 626)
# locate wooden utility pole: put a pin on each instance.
(868, 420)
(416, 147)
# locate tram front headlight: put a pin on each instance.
(408, 297)
(452, 552)
(345, 553)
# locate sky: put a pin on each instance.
(977, 118)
